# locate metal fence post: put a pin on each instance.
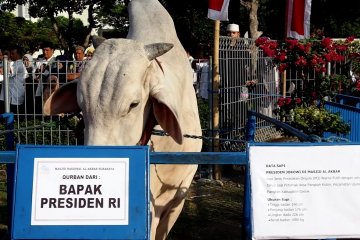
(10, 167)
(247, 228)
(250, 127)
(6, 84)
(210, 102)
(250, 137)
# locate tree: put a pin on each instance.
(78, 32)
(194, 29)
(49, 9)
(29, 35)
(190, 18)
(18, 31)
(252, 7)
(271, 15)
(336, 19)
(9, 29)
(115, 16)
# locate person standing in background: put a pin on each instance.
(42, 72)
(30, 87)
(193, 68)
(1, 66)
(78, 65)
(89, 53)
(17, 75)
(1, 58)
(2, 54)
(233, 30)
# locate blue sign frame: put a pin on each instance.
(139, 211)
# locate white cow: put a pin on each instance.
(132, 86)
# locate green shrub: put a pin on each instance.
(315, 120)
(49, 131)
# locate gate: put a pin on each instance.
(248, 81)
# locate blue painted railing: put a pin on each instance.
(350, 115)
(348, 100)
(10, 168)
(236, 158)
(250, 128)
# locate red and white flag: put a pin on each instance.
(298, 19)
(218, 10)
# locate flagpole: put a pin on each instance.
(218, 10)
(215, 95)
(283, 75)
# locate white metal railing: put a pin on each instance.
(248, 81)
(31, 126)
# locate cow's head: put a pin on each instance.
(122, 94)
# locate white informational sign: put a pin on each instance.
(80, 191)
(305, 191)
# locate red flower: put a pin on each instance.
(331, 56)
(308, 53)
(288, 101)
(314, 60)
(308, 48)
(341, 48)
(268, 51)
(261, 41)
(292, 43)
(273, 44)
(326, 42)
(339, 58)
(357, 85)
(301, 61)
(301, 47)
(281, 101)
(281, 56)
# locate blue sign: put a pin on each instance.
(81, 192)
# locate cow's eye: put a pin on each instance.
(134, 105)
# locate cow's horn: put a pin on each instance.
(157, 49)
(97, 41)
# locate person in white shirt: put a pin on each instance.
(43, 67)
(17, 74)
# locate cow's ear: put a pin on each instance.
(63, 100)
(167, 117)
(166, 103)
